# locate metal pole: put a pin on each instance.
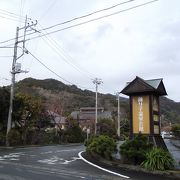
(118, 119)
(12, 87)
(97, 82)
(96, 110)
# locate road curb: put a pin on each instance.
(171, 174)
(106, 170)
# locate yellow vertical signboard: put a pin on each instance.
(140, 114)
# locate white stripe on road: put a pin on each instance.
(106, 170)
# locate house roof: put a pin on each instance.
(91, 109)
(154, 82)
(57, 118)
(90, 115)
(141, 86)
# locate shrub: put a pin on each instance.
(74, 135)
(42, 137)
(134, 151)
(102, 145)
(89, 141)
(176, 130)
(158, 159)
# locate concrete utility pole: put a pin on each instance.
(118, 119)
(16, 68)
(12, 87)
(97, 82)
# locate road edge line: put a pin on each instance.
(106, 170)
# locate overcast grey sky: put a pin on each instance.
(142, 42)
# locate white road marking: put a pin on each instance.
(11, 156)
(52, 160)
(73, 159)
(48, 152)
(14, 159)
(106, 170)
(57, 160)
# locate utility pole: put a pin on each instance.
(97, 82)
(12, 87)
(16, 68)
(118, 119)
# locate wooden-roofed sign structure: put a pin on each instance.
(145, 109)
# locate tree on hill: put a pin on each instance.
(76, 98)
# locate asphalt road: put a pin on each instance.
(56, 162)
(175, 151)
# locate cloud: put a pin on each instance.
(102, 31)
(144, 42)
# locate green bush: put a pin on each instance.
(74, 135)
(134, 151)
(158, 159)
(102, 145)
(176, 130)
(89, 141)
(42, 137)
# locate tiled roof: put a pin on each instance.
(91, 109)
(139, 86)
(154, 82)
(90, 115)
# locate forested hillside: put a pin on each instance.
(55, 94)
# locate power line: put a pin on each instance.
(10, 19)
(84, 16)
(12, 14)
(85, 22)
(56, 48)
(22, 36)
(95, 19)
(21, 11)
(49, 68)
(80, 17)
(47, 10)
(53, 71)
